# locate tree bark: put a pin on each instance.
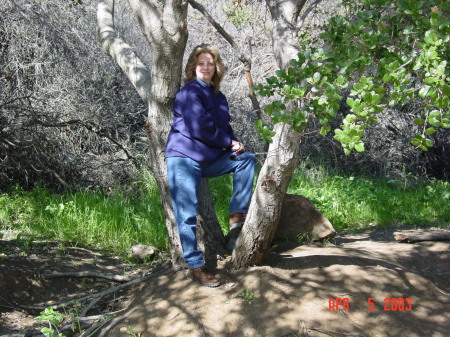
(411, 238)
(253, 244)
(165, 29)
(164, 26)
(210, 235)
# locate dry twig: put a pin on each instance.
(100, 294)
(118, 278)
(332, 332)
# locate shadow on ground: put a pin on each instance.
(407, 285)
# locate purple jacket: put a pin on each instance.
(201, 124)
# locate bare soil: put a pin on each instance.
(290, 295)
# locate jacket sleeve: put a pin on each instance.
(200, 119)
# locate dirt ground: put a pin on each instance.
(406, 285)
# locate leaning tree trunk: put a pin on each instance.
(253, 245)
(165, 29)
(164, 25)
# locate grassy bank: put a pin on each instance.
(116, 220)
(353, 202)
(112, 221)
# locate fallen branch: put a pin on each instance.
(411, 238)
(93, 329)
(90, 306)
(118, 278)
(330, 332)
(101, 294)
(111, 325)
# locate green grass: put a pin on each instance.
(114, 221)
(354, 203)
(108, 221)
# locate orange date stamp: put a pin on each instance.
(390, 304)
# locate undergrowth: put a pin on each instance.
(105, 220)
(116, 220)
(354, 203)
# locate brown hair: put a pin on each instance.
(192, 63)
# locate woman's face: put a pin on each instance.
(205, 67)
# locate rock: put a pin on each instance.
(143, 252)
(299, 215)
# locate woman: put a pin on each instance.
(201, 144)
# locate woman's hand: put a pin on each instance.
(237, 146)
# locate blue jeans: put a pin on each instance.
(184, 176)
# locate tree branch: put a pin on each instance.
(242, 57)
(121, 52)
(118, 278)
(91, 127)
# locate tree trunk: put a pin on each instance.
(253, 244)
(165, 29)
(213, 238)
(164, 26)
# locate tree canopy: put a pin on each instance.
(377, 54)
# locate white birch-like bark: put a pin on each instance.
(253, 244)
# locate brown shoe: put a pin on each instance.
(237, 221)
(203, 276)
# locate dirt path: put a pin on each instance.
(294, 289)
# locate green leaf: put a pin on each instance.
(359, 147)
(430, 37)
(350, 102)
(387, 78)
(428, 142)
(416, 142)
(324, 130)
(430, 80)
(440, 69)
(48, 332)
(350, 118)
(322, 100)
(418, 64)
(446, 90)
(316, 77)
(431, 53)
(434, 19)
(435, 114)
(423, 92)
(340, 80)
(419, 121)
(433, 121)
(430, 131)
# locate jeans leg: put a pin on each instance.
(243, 168)
(184, 175)
(243, 183)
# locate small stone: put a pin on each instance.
(143, 252)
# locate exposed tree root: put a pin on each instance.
(93, 324)
(333, 333)
(90, 306)
(117, 278)
(100, 294)
(401, 237)
(111, 325)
